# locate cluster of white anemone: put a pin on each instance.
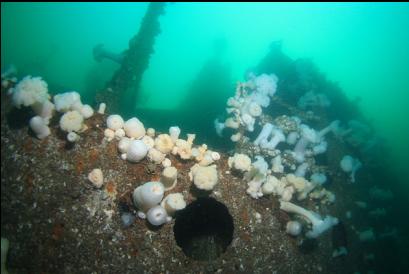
(247, 104)
(244, 115)
(248, 101)
(245, 109)
(261, 182)
(135, 143)
(148, 198)
(33, 92)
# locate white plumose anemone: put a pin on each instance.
(164, 143)
(240, 162)
(71, 121)
(134, 128)
(173, 202)
(148, 195)
(293, 228)
(40, 127)
(350, 165)
(319, 225)
(115, 122)
(157, 216)
(30, 90)
(96, 177)
(169, 177)
(136, 151)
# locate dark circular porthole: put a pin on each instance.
(204, 229)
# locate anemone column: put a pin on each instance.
(122, 88)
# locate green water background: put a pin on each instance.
(362, 46)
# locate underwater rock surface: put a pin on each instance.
(57, 222)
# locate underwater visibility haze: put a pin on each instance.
(204, 137)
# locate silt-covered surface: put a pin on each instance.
(57, 222)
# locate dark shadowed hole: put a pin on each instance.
(307, 246)
(204, 229)
(18, 118)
